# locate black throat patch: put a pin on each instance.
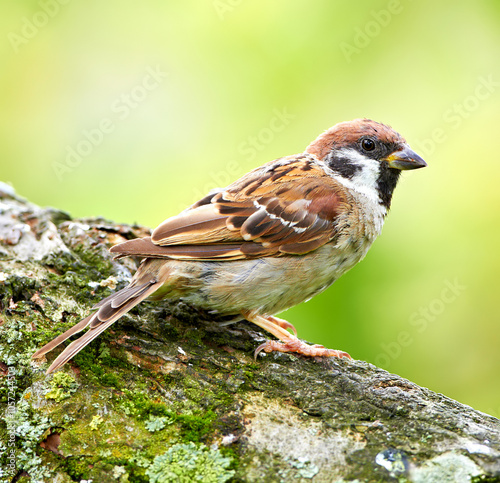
(387, 180)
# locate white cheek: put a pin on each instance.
(365, 180)
(369, 173)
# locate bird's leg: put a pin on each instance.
(282, 323)
(287, 342)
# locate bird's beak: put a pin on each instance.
(404, 159)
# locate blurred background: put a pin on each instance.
(134, 110)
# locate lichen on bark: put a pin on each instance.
(166, 385)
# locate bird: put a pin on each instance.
(274, 238)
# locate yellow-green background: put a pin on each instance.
(230, 65)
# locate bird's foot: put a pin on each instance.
(287, 342)
(296, 345)
(282, 323)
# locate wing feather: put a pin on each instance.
(290, 206)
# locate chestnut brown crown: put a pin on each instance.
(348, 133)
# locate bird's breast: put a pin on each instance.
(267, 285)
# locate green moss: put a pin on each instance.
(195, 427)
(77, 468)
(485, 479)
(97, 365)
(111, 380)
(186, 463)
(138, 404)
(63, 386)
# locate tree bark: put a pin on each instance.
(167, 394)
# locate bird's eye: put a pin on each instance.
(368, 144)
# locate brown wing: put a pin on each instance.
(289, 206)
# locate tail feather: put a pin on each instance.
(124, 294)
(109, 310)
(148, 278)
(61, 338)
(98, 325)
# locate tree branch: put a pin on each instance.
(168, 391)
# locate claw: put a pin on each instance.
(287, 342)
(259, 349)
(283, 324)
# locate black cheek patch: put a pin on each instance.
(344, 166)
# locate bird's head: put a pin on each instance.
(367, 156)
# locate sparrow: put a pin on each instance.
(274, 238)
